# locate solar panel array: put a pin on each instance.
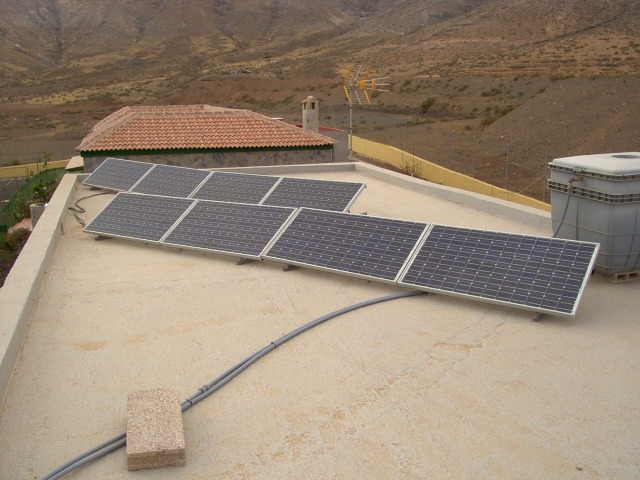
(165, 180)
(235, 229)
(265, 217)
(536, 273)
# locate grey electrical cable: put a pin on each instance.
(119, 441)
(76, 210)
(88, 457)
(566, 205)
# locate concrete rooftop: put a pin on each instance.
(425, 387)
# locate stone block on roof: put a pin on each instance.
(155, 433)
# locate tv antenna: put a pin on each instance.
(356, 81)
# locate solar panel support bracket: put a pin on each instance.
(538, 317)
(243, 260)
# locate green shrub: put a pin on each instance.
(427, 104)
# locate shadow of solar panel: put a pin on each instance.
(232, 228)
(170, 181)
(358, 245)
(536, 273)
(235, 187)
(138, 217)
(320, 194)
(117, 174)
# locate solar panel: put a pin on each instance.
(359, 245)
(138, 217)
(117, 174)
(320, 194)
(235, 187)
(537, 273)
(232, 228)
(170, 181)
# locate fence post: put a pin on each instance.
(506, 172)
(473, 157)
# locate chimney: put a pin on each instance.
(310, 114)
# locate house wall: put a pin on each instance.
(341, 147)
(223, 159)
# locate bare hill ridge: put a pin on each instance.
(450, 36)
(539, 79)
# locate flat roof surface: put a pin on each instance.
(423, 387)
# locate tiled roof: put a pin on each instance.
(194, 127)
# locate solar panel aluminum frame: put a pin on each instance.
(259, 256)
(199, 186)
(273, 187)
(393, 281)
(141, 178)
(520, 306)
(355, 197)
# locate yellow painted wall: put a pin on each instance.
(421, 168)
(29, 169)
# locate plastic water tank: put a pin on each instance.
(596, 198)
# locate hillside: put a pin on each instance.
(506, 78)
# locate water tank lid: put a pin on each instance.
(624, 163)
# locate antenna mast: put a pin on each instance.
(355, 81)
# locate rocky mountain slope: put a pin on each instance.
(539, 79)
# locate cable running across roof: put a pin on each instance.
(206, 390)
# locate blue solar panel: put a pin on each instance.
(537, 273)
(320, 194)
(170, 181)
(358, 245)
(231, 228)
(138, 217)
(235, 187)
(117, 174)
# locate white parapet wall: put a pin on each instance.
(19, 293)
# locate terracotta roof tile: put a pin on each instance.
(194, 127)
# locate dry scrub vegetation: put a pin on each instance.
(474, 84)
